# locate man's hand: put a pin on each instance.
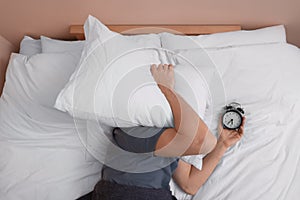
(163, 75)
(230, 137)
(189, 178)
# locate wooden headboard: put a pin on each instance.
(78, 32)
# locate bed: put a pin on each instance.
(47, 154)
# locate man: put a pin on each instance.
(189, 136)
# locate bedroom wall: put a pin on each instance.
(52, 17)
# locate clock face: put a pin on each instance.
(232, 119)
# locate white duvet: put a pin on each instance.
(41, 155)
(264, 165)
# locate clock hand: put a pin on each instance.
(231, 121)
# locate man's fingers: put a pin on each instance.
(244, 120)
(241, 129)
(220, 120)
(160, 67)
(152, 68)
(166, 67)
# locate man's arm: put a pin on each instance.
(190, 135)
(189, 178)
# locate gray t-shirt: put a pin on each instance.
(142, 167)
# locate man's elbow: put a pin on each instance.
(191, 190)
(208, 144)
(205, 144)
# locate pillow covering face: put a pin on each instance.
(113, 83)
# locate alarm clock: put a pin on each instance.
(233, 116)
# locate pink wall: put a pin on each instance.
(52, 17)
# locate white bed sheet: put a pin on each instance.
(40, 160)
(41, 155)
(265, 163)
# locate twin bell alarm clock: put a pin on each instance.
(233, 116)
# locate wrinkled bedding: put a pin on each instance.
(265, 163)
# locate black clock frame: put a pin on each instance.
(232, 110)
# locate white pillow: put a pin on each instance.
(113, 83)
(274, 34)
(73, 48)
(30, 46)
(39, 146)
(48, 74)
